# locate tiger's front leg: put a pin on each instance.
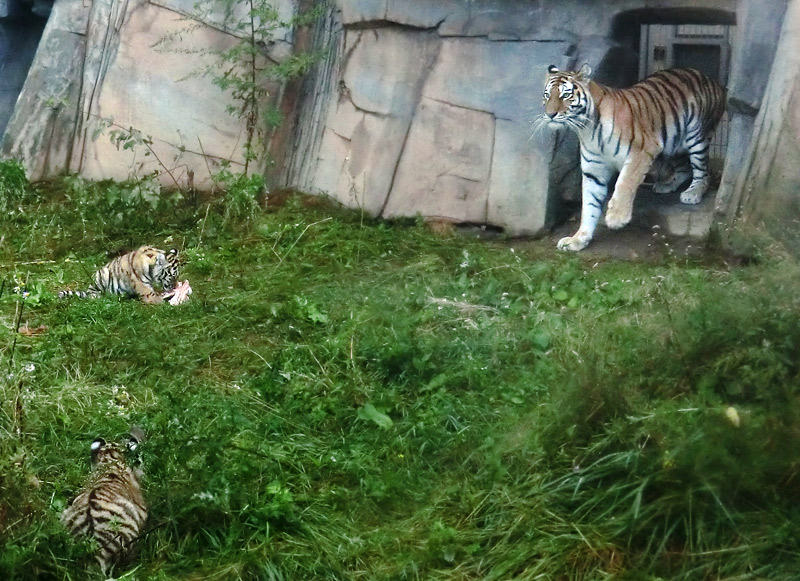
(631, 176)
(146, 293)
(594, 190)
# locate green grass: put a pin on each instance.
(344, 398)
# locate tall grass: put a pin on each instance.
(351, 399)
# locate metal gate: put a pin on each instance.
(704, 47)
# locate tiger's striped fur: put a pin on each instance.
(135, 274)
(110, 509)
(669, 113)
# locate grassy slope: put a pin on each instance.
(347, 399)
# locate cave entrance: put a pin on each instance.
(705, 47)
(22, 23)
(682, 37)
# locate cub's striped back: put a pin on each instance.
(670, 113)
(135, 274)
(110, 508)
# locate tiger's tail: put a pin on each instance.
(103, 281)
(69, 294)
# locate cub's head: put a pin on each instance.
(165, 269)
(114, 456)
(566, 96)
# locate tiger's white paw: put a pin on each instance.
(694, 193)
(692, 196)
(617, 218)
(573, 243)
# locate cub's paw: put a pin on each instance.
(573, 243)
(673, 182)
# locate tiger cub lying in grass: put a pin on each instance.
(135, 275)
(110, 509)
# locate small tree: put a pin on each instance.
(245, 71)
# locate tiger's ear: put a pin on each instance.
(135, 437)
(585, 73)
(552, 69)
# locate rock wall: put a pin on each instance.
(419, 107)
(765, 193)
(427, 107)
(19, 38)
(758, 30)
(103, 66)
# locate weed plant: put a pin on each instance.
(344, 398)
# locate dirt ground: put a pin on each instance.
(662, 228)
(643, 239)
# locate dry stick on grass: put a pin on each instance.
(18, 411)
(461, 305)
(282, 258)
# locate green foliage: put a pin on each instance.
(344, 398)
(119, 202)
(241, 193)
(246, 72)
(14, 187)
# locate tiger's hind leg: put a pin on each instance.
(698, 157)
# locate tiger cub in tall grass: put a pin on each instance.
(135, 274)
(671, 112)
(110, 509)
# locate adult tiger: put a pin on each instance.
(110, 509)
(135, 274)
(669, 113)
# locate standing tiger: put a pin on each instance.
(110, 508)
(135, 274)
(669, 113)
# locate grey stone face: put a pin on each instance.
(433, 121)
(98, 62)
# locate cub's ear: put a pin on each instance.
(586, 72)
(135, 437)
(96, 446)
(552, 69)
(173, 251)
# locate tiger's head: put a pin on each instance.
(118, 456)
(165, 269)
(566, 96)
